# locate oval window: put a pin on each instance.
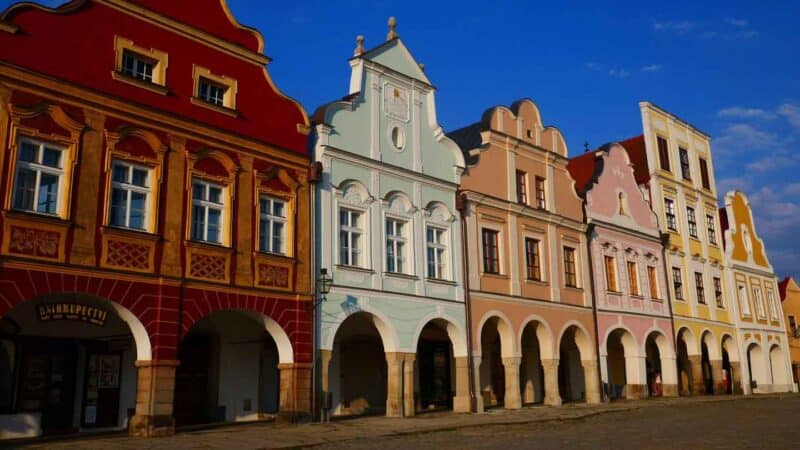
(398, 138)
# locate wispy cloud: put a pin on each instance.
(728, 29)
(736, 22)
(619, 73)
(791, 113)
(679, 27)
(612, 71)
(652, 68)
(739, 112)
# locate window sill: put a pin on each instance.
(152, 87)
(209, 245)
(608, 291)
(441, 281)
(220, 109)
(574, 288)
(279, 256)
(36, 217)
(120, 231)
(403, 276)
(637, 296)
(354, 269)
(536, 282)
(494, 275)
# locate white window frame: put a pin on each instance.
(440, 253)
(39, 168)
(711, 229)
(270, 219)
(357, 230)
(208, 205)
(399, 245)
(691, 222)
(773, 313)
(139, 62)
(744, 301)
(759, 301)
(130, 189)
(674, 214)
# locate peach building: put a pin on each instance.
(634, 325)
(790, 301)
(529, 298)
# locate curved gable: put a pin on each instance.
(524, 121)
(743, 243)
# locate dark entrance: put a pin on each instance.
(728, 373)
(192, 381)
(708, 378)
(47, 382)
(434, 359)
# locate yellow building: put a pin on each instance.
(761, 332)
(680, 185)
(790, 301)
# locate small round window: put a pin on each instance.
(398, 137)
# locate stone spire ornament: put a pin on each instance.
(392, 29)
(359, 46)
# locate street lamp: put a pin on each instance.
(324, 283)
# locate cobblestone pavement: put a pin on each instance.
(764, 422)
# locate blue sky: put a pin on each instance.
(730, 68)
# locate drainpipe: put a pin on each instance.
(461, 206)
(589, 231)
(664, 243)
(315, 175)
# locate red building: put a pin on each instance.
(154, 233)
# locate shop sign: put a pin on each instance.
(72, 311)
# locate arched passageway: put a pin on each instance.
(532, 370)
(707, 371)
(578, 377)
(625, 368)
(690, 378)
(660, 366)
(731, 365)
(780, 375)
(67, 364)
(229, 369)
(758, 376)
(493, 377)
(435, 369)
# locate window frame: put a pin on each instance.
(705, 175)
(771, 305)
(671, 213)
(206, 204)
(612, 278)
(663, 153)
(399, 242)
(686, 166)
(718, 292)
(570, 267)
(633, 278)
(744, 301)
(791, 320)
(39, 168)
(533, 259)
(148, 219)
(160, 59)
(711, 229)
(652, 280)
(522, 187)
(490, 258)
(358, 230)
(440, 264)
(691, 221)
(761, 311)
(271, 219)
(677, 283)
(699, 286)
(541, 192)
(228, 105)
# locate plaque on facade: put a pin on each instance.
(72, 311)
(395, 102)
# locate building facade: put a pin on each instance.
(530, 305)
(155, 245)
(679, 181)
(790, 302)
(391, 332)
(760, 324)
(631, 294)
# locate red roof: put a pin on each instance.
(782, 287)
(723, 224)
(582, 169)
(638, 155)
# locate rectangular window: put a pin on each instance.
(272, 230)
(698, 285)
(773, 308)
(541, 200)
(522, 187)
(669, 210)
(137, 66)
(718, 292)
(39, 176)
(712, 229)
(744, 301)
(611, 273)
(570, 271)
(692, 219)
(395, 246)
(793, 325)
(208, 206)
(130, 195)
(652, 278)
(663, 153)
(759, 302)
(677, 283)
(349, 237)
(491, 257)
(686, 171)
(633, 278)
(704, 174)
(532, 261)
(437, 249)
(211, 92)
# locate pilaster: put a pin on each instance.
(88, 190)
(592, 380)
(698, 386)
(551, 395)
(394, 383)
(155, 388)
(244, 223)
(512, 398)
(409, 404)
(461, 402)
(716, 375)
(175, 171)
(295, 392)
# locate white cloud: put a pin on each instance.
(745, 113)
(773, 162)
(791, 113)
(594, 66)
(792, 189)
(652, 68)
(728, 29)
(742, 137)
(619, 73)
(737, 22)
(726, 185)
(678, 27)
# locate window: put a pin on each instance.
(759, 302)
(652, 278)
(491, 257)
(712, 229)
(663, 153)
(718, 292)
(349, 237)
(685, 169)
(669, 210)
(532, 261)
(793, 325)
(773, 310)
(395, 246)
(570, 273)
(698, 285)
(39, 176)
(137, 66)
(272, 229)
(437, 248)
(633, 278)
(211, 92)
(130, 195)
(621, 210)
(522, 187)
(743, 300)
(677, 283)
(541, 201)
(207, 211)
(690, 217)
(611, 273)
(704, 174)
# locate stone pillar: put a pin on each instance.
(409, 403)
(512, 399)
(716, 375)
(324, 382)
(155, 390)
(175, 185)
(669, 377)
(736, 375)
(476, 370)
(551, 395)
(5, 118)
(591, 379)
(90, 151)
(636, 375)
(698, 386)
(295, 393)
(244, 221)
(531, 370)
(461, 402)
(394, 384)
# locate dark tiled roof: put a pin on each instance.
(585, 169)
(469, 138)
(782, 287)
(319, 114)
(638, 155)
(723, 225)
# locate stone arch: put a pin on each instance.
(400, 202)
(661, 340)
(729, 345)
(625, 372)
(454, 332)
(439, 212)
(666, 366)
(543, 333)
(710, 341)
(354, 191)
(758, 375)
(688, 337)
(504, 329)
(777, 363)
(276, 332)
(632, 348)
(582, 339)
(378, 319)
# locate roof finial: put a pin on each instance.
(392, 29)
(586, 147)
(422, 67)
(360, 46)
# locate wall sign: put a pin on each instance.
(72, 311)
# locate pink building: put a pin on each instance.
(634, 328)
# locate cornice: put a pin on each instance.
(514, 208)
